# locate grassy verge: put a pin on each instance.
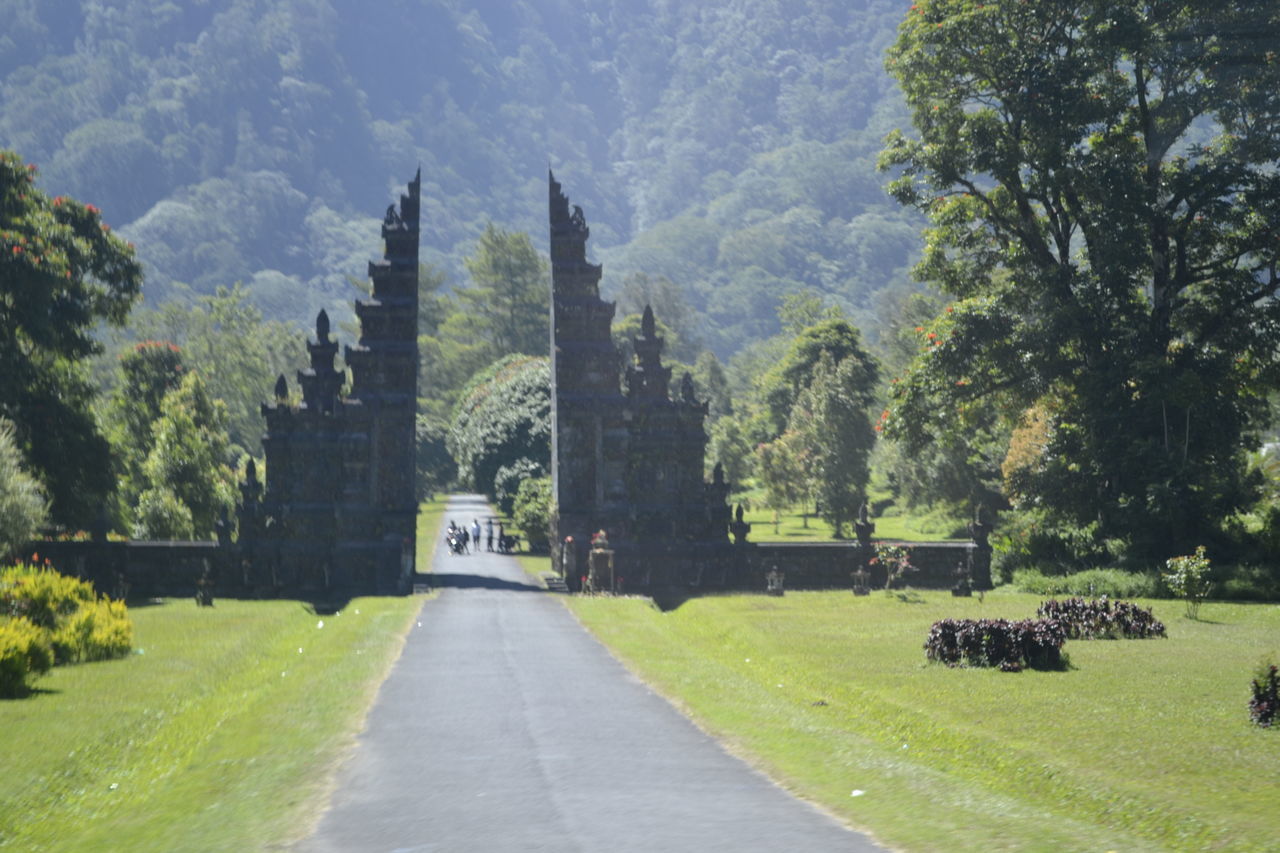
(534, 565)
(430, 516)
(1140, 745)
(219, 733)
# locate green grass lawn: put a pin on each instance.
(1140, 745)
(220, 732)
(792, 528)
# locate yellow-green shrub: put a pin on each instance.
(76, 623)
(24, 652)
(97, 631)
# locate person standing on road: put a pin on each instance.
(488, 534)
(475, 533)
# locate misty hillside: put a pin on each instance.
(727, 146)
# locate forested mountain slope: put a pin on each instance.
(728, 146)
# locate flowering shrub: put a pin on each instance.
(896, 560)
(1011, 646)
(73, 620)
(1188, 578)
(1265, 703)
(1101, 619)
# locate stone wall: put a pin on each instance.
(148, 569)
(829, 565)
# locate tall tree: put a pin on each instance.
(22, 503)
(186, 468)
(511, 291)
(62, 272)
(832, 418)
(225, 339)
(1105, 204)
(784, 467)
(837, 338)
(148, 372)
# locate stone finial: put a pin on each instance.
(322, 327)
(648, 326)
(687, 392)
(251, 471)
(282, 388)
(717, 474)
(579, 221)
(737, 514)
(864, 512)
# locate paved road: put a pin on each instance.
(505, 726)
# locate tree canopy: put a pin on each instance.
(1101, 183)
(510, 292)
(501, 430)
(62, 272)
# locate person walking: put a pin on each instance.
(488, 534)
(475, 533)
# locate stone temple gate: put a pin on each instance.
(627, 457)
(336, 516)
(338, 511)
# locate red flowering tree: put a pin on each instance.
(62, 272)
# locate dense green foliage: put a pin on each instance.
(1113, 583)
(727, 148)
(832, 420)
(22, 503)
(510, 292)
(62, 272)
(501, 427)
(236, 351)
(1101, 183)
(435, 467)
(532, 510)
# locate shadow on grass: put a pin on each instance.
(27, 693)
(670, 598)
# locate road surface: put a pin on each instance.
(505, 726)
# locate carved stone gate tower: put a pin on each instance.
(338, 513)
(626, 463)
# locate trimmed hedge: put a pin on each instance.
(1102, 619)
(1011, 646)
